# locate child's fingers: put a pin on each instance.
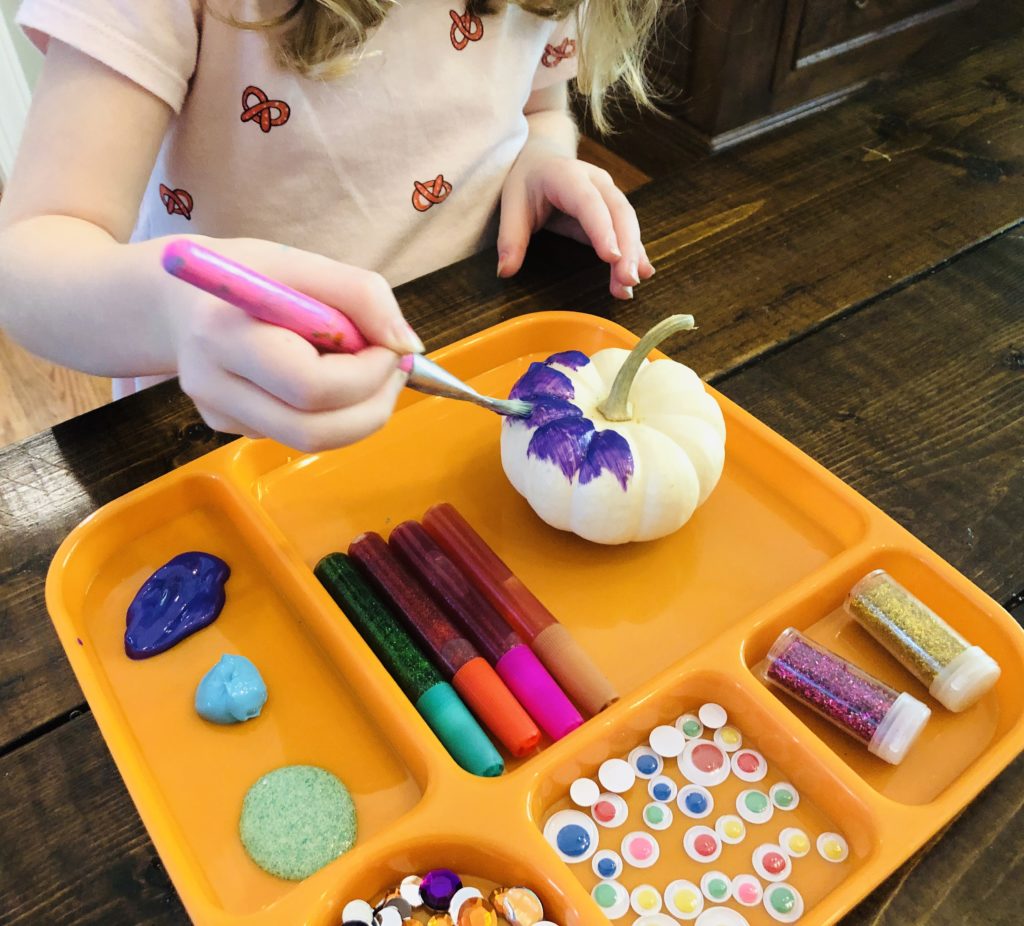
(576, 195)
(627, 230)
(514, 229)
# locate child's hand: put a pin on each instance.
(590, 208)
(248, 377)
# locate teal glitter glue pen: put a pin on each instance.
(436, 700)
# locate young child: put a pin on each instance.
(340, 146)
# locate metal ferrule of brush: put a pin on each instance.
(432, 379)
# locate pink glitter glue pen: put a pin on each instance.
(885, 720)
(513, 660)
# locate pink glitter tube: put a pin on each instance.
(885, 720)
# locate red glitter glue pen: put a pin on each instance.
(470, 674)
(514, 661)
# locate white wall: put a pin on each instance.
(29, 58)
(19, 68)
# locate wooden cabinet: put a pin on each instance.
(731, 69)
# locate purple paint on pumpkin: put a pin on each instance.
(541, 380)
(563, 442)
(608, 450)
(573, 359)
(547, 409)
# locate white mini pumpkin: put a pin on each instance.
(617, 448)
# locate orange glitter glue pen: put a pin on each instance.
(563, 657)
(470, 674)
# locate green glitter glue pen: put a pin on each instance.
(436, 700)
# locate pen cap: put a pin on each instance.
(489, 698)
(575, 671)
(458, 730)
(538, 692)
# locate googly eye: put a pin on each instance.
(713, 715)
(572, 834)
(704, 763)
(689, 725)
(728, 738)
(833, 848)
(695, 801)
(662, 789)
(783, 903)
(616, 775)
(388, 916)
(754, 806)
(654, 919)
(747, 890)
(716, 886)
(607, 864)
(784, 795)
(749, 765)
(771, 862)
(684, 900)
(731, 829)
(702, 844)
(641, 850)
(645, 900)
(357, 911)
(794, 842)
(645, 762)
(667, 741)
(612, 898)
(583, 792)
(722, 916)
(658, 816)
(610, 810)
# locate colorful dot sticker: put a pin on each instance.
(784, 795)
(645, 899)
(572, 834)
(357, 911)
(584, 792)
(722, 916)
(610, 810)
(690, 726)
(731, 829)
(641, 850)
(410, 891)
(832, 847)
(616, 775)
(645, 762)
(717, 886)
(747, 890)
(662, 789)
(713, 715)
(772, 862)
(749, 765)
(607, 864)
(704, 763)
(658, 816)
(667, 741)
(783, 903)
(754, 806)
(612, 898)
(695, 801)
(729, 738)
(794, 842)
(684, 900)
(702, 844)
(458, 899)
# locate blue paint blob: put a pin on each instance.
(181, 597)
(646, 765)
(606, 868)
(573, 359)
(661, 792)
(696, 802)
(231, 692)
(573, 840)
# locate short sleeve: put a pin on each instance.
(558, 60)
(154, 43)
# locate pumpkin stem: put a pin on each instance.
(616, 407)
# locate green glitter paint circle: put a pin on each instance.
(782, 900)
(655, 815)
(604, 894)
(295, 820)
(718, 889)
(783, 797)
(756, 802)
(691, 728)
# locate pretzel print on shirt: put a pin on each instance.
(176, 202)
(554, 55)
(261, 110)
(426, 195)
(465, 29)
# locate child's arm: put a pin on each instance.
(548, 176)
(74, 292)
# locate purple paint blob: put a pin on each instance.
(573, 359)
(181, 597)
(563, 442)
(541, 380)
(608, 450)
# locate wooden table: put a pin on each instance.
(859, 283)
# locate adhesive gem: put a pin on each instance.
(749, 765)
(607, 864)
(460, 897)
(783, 903)
(410, 890)
(645, 899)
(662, 789)
(573, 835)
(645, 762)
(704, 763)
(731, 829)
(616, 775)
(440, 919)
(690, 726)
(772, 862)
(390, 915)
(784, 796)
(357, 911)
(695, 801)
(832, 847)
(667, 741)
(684, 900)
(584, 792)
(747, 890)
(716, 886)
(658, 816)
(641, 850)
(612, 898)
(794, 842)
(476, 911)
(702, 844)
(439, 886)
(520, 906)
(728, 738)
(610, 810)
(713, 715)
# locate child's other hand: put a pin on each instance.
(248, 377)
(590, 208)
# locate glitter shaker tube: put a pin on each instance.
(885, 720)
(564, 658)
(459, 660)
(513, 660)
(436, 700)
(956, 673)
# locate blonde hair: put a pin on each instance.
(321, 39)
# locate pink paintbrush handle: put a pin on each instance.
(322, 325)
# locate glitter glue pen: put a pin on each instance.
(459, 660)
(886, 721)
(564, 658)
(436, 700)
(513, 660)
(956, 673)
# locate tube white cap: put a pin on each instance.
(899, 728)
(965, 679)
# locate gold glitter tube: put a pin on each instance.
(956, 673)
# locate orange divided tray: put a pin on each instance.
(673, 623)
